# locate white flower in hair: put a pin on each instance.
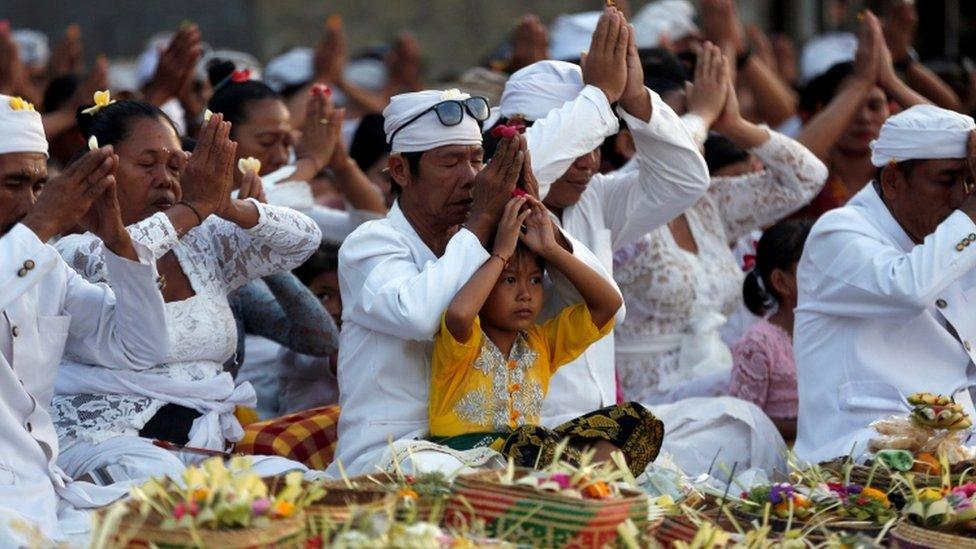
(92, 143)
(452, 93)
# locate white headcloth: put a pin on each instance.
(920, 133)
(570, 35)
(426, 132)
(671, 19)
(535, 90)
(21, 128)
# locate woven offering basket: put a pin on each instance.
(909, 536)
(882, 478)
(341, 504)
(675, 528)
(525, 516)
(424, 508)
(819, 527)
(134, 532)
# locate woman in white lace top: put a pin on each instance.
(106, 417)
(681, 281)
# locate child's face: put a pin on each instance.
(325, 286)
(516, 299)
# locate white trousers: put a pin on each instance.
(718, 433)
(128, 458)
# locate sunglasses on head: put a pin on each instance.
(451, 112)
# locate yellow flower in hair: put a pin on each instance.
(102, 99)
(19, 104)
(249, 164)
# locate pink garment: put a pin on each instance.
(764, 372)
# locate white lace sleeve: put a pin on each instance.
(281, 241)
(793, 176)
(156, 233)
(83, 253)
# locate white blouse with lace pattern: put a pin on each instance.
(667, 288)
(217, 257)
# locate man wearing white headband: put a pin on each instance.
(46, 310)
(398, 275)
(570, 119)
(886, 287)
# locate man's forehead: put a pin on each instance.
(30, 164)
(934, 165)
(448, 151)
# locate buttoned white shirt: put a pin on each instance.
(871, 323)
(394, 292)
(616, 209)
(48, 309)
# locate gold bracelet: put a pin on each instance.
(504, 261)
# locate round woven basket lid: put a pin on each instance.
(909, 536)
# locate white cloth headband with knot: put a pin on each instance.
(21, 127)
(426, 132)
(535, 90)
(920, 133)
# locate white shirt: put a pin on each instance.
(49, 310)
(670, 346)
(615, 210)
(871, 322)
(394, 292)
(334, 224)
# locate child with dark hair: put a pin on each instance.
(763, 370)
(306, 381)
(492, 362)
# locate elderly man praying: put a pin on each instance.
(46, 309)
(886, 286)
(398, 275)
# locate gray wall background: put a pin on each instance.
(454, 34)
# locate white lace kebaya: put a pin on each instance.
(677, 300)
(93, 403)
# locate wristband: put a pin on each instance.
(192, 209)
(504, 261)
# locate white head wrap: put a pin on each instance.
(671, 19)
(824, 51)
(571, 35)
(32, 46)
(22, 129)
(922, 132)
(289, 69)
(535, 90)
(426, 132)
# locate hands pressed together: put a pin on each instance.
(613, 65)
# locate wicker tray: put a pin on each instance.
(425, 509)
(340, 505)
(525, 516)
(909, 536)
(882, 478)
(133, 532)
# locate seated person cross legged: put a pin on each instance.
(205, 245)
(399, 274)
(885, 287)
(492, 362)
